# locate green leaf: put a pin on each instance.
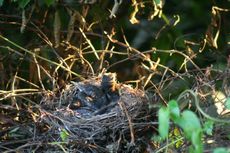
(1, 2)
(208, 127)
(64, 134)
(157, 1)
(22, 3)
(163, 118)
(49, 2)
(174, 109)
(189, 122)
(221, 150)
(196, 141)
(227, 103)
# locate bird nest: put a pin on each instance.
(96, 115)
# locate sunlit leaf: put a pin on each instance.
(64, 135)
(196, 141)
(133, 18)
(176, 135)
(163, 122)
(174, 109)
(158, 5)
(189, 122)
(219, 99)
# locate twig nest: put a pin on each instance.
(98, 115)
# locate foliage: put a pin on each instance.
(187, 120)
(64, 135)
(208, 127)
(164, 122)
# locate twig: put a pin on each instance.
(90, 44)
(115, 8)
(40, 57)
(38, 70)
(122, 106)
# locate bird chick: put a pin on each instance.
(109, 82)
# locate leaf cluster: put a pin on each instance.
(186, 120)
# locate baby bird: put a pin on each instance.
(96, 98)
(109, 82)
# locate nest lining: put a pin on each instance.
(113, 130)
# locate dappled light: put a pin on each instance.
(114, 76)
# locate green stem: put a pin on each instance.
(200, 109)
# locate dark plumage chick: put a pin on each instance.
(96, 98)
(110, 87)
(88, 96)
(109, 82)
